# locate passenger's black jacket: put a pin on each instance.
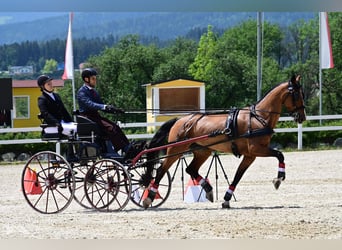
(53, 111)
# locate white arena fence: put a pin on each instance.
(300, 129)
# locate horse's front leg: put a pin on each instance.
(245, 163)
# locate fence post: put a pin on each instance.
(58, 147)
(300, 136)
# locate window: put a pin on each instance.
(21, 107)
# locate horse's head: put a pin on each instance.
(294, 100)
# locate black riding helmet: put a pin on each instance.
(88, 72)
(41, 80)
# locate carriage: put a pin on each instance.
(97, 178)
(90, 173)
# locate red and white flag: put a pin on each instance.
(326, 57)
(69, 58)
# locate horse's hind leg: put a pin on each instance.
(199, 158)
(281, 170)
(153, 188)
(245, 163)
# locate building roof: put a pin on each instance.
(33, 83)
(171, 80)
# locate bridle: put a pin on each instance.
(294, 92)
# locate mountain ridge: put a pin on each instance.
(164, 25)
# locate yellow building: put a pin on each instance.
(174, 98)
(25, 107)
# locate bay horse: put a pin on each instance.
(244, 132)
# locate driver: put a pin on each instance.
(90, 103)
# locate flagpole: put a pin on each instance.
(73, 93)
(259, 54)
(320, 68)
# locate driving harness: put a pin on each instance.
(231, 128)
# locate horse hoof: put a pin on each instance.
(210, 196)
(225, 204)
(276, 182)
(147, 202)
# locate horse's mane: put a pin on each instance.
(270, 90)
(227, 111)
(293, 79)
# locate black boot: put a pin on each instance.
(133, 149)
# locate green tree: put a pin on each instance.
(304, 45)
(228, 64)
(175, 60)
(202, 66)
(123, 70)
(50, 66)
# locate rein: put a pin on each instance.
(245, 109)
(194, 147)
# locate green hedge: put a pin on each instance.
(30, 148)
(313, 139)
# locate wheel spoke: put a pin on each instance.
(48, 183)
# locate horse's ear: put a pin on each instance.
(295, 79)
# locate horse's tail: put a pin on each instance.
(159, 139)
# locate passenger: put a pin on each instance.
(90, 103)
(52, 109)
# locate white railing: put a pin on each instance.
(299, 130)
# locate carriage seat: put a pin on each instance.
(52, 132)
(86, 128)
